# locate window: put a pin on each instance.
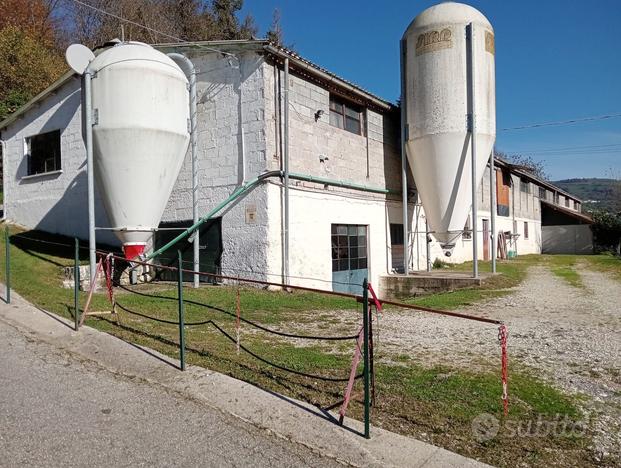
(345, 115)
(542, 193)
(396, 234)
(43, 152)
(349, 247)
(577, 206)
(567, 202)
(556, 198)
(525, 230)
(524, 186)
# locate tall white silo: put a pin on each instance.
(438, 103)
(140, 101)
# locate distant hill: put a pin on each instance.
(594, 192)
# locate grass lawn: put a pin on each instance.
(436, 404)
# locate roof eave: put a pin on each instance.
(34, 101)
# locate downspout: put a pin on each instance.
(286, 174)
(190, 71)
(473, 142)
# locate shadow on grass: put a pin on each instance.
(291, 385)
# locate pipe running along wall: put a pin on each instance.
(190, 71)
(240, 191)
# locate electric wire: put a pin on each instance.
(561, 123)
(147, 28)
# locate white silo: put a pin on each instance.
(140, 101)
(437, 106)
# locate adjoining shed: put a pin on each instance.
(565, 231)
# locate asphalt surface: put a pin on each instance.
(58, 411)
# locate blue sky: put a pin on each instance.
(555, 60)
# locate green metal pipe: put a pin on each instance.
(367, 392)
(339, 183)
(239, 191)
(7, 246)
(181, 311)
(76, 285)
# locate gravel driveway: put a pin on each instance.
(571, 336)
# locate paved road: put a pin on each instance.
(55, 411)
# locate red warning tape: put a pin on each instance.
(352, 375)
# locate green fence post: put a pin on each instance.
(181, 319)
(7, 245)
(76, 285)
(365, 321)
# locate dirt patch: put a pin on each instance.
(570, 336)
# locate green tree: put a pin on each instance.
(27, 66)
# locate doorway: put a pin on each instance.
(210, 250)
(349, 257)
(486, 239)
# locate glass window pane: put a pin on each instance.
(343, 252)
(335, 106)
(352, 113)
(351, 230)
(353, 240)
(333, 229)
(362, 240)
(343, 265)
(342, 230)
(342, 241)
(336, 120)
(353, 252)
(335, 251)
(362, 263)
(352, 125)
(353, 264)
(362, 252)
(362, 230)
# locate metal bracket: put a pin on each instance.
(95, 117)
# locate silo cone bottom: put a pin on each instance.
(133, 250)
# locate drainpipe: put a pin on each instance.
(90, 169)
(404, 165)
(4, 171)
(286, 174)
(190, 71)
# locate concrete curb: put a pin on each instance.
(290, 419)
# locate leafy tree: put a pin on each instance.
(27, 66)
(606, 229)
(275, 34)
(527, 163)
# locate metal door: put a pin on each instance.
(349, 257)
(210, 249)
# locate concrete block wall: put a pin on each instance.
(231, 101)
(54, 202)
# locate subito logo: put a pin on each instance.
(485, 427)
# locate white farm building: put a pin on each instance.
(345, 198)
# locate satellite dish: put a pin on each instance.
(78, 57)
